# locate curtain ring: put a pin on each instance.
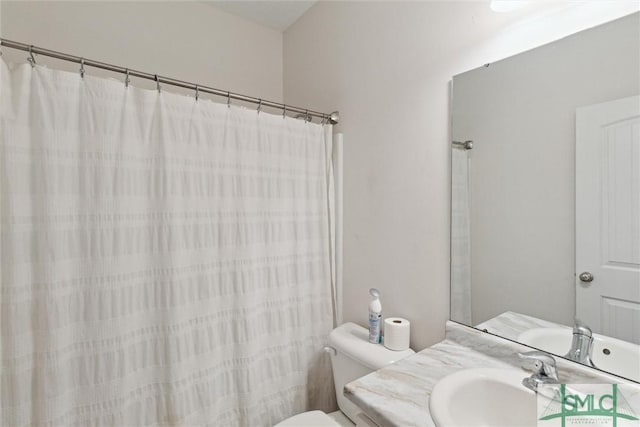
(306, 116)
(259, 106)
(157, 82)
(324, 119)
(82, 68)
(228, 99)
(284, 110)
(197, 92)
(126, 77)
(31, 59)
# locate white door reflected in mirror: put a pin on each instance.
(608, 218)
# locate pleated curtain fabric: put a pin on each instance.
(461, 236)
(165, 261)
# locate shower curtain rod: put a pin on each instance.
(467, 145)
(331, 118)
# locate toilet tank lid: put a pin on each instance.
(353, 341)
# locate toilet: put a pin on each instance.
(352, 357)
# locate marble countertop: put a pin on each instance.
(398, 395)
(511, 324)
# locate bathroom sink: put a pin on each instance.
(609, 354)
(483, 397)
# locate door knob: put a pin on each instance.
(586, 277)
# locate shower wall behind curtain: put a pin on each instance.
(164, 261)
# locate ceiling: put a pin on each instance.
(278, 15)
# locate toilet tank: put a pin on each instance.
(355, 357)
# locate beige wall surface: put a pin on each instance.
(387, 66)
(189, 41)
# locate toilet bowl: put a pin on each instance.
(352, 357)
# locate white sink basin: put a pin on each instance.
(609, 354)
(483, 397)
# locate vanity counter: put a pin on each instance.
(398, 395)
(511, 324)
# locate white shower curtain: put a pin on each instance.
(165, 261)
(460, 236)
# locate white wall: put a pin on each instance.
(520, 113)
(189, 41)
(386, 66)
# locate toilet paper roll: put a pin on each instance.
(396, 333)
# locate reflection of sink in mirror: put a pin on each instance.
(483, 397)
(609, 354)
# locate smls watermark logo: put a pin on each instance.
(588, 405)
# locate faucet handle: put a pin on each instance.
(543, 363)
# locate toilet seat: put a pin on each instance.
(309, 419)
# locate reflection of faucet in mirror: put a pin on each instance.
(543, 366)
(581, 345)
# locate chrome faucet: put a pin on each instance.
(581, 344)
(543, 366)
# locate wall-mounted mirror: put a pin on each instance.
(546, 201)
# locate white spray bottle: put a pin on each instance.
(375, 317)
